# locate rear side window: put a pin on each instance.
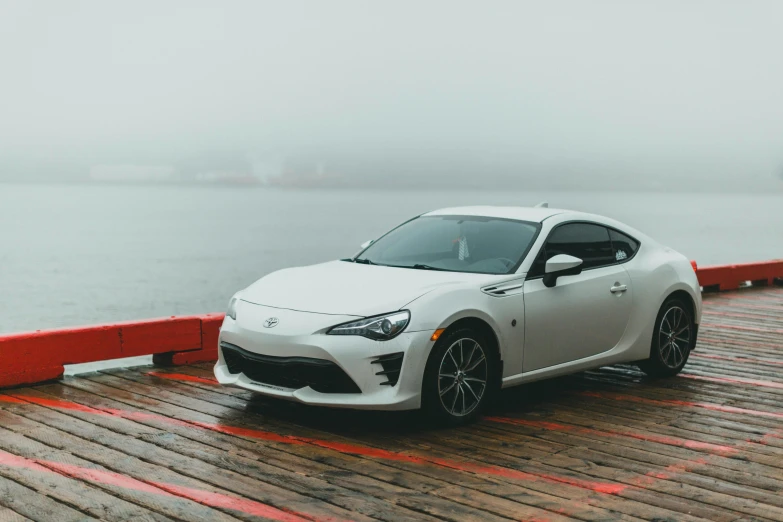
(590, 243)
(624, 247)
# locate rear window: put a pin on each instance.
(623, 246)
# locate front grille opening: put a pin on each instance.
(391, 364)
(288, 372)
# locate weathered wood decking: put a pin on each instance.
(149, 444)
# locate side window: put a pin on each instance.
(588, 242)
(624, 247)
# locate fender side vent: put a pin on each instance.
(504, 289)
(391, 364)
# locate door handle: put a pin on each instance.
(618, 288)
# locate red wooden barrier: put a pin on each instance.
(32, 357)
(730, 277)
(39, 356)
(210, 330)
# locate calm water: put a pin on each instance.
(73, 255)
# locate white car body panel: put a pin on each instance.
(540, 332)
(301, 334)
(340, 288)
(576, 319)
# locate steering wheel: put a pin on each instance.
(506, 261)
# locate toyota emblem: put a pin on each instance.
(271, 322)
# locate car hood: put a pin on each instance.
(345, 288)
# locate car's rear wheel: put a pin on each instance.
(460, 377)
(673, 337)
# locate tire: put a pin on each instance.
(673, 338)
(460, 377)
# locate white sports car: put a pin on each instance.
(454, 304)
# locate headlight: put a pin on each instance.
(379, 328)
(232, 309)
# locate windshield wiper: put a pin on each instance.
(429, 267)
(364, 261)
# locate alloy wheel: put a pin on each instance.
(674, 336)
(462, 377)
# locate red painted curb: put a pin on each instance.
(210, 329)
(31, 357)
(730, 277)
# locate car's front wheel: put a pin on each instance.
(673, 337)
(459, 378)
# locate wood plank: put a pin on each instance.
(247, 466)
(9, 515)
(607, 444)
(124, 455)
(447, 474)
(409, 499)
(544, 470)
(725, 477)
(30, 504)
(19, 463)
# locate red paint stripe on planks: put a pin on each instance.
(378, 453)
(382, 454)
(743, 328)
(183, 377)
(14, 400)
(109, 478)
(736, 359)
(735, 380)
(352, 449)
(765, 438)
(660, 439)
(742, 315)
(387, 455)
(667, 402)
(669, 472)
(745, 306)
(745, 296)
(733, 343)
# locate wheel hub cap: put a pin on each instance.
(675, 337)
(462, 377)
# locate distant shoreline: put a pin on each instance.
(774, 186)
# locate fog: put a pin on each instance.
(558, 93)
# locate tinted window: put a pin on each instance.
(624, 247)
(590, 243)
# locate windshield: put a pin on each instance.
(455, 243)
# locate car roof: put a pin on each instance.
(538, 215)
(534, 214)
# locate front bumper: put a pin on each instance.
(303, 335)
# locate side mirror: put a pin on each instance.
(561, 265)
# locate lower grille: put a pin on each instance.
(391, 364)
(288, 372)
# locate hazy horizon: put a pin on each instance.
(615, 90)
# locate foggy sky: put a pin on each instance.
(609, 84)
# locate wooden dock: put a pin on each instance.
(169, 444)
